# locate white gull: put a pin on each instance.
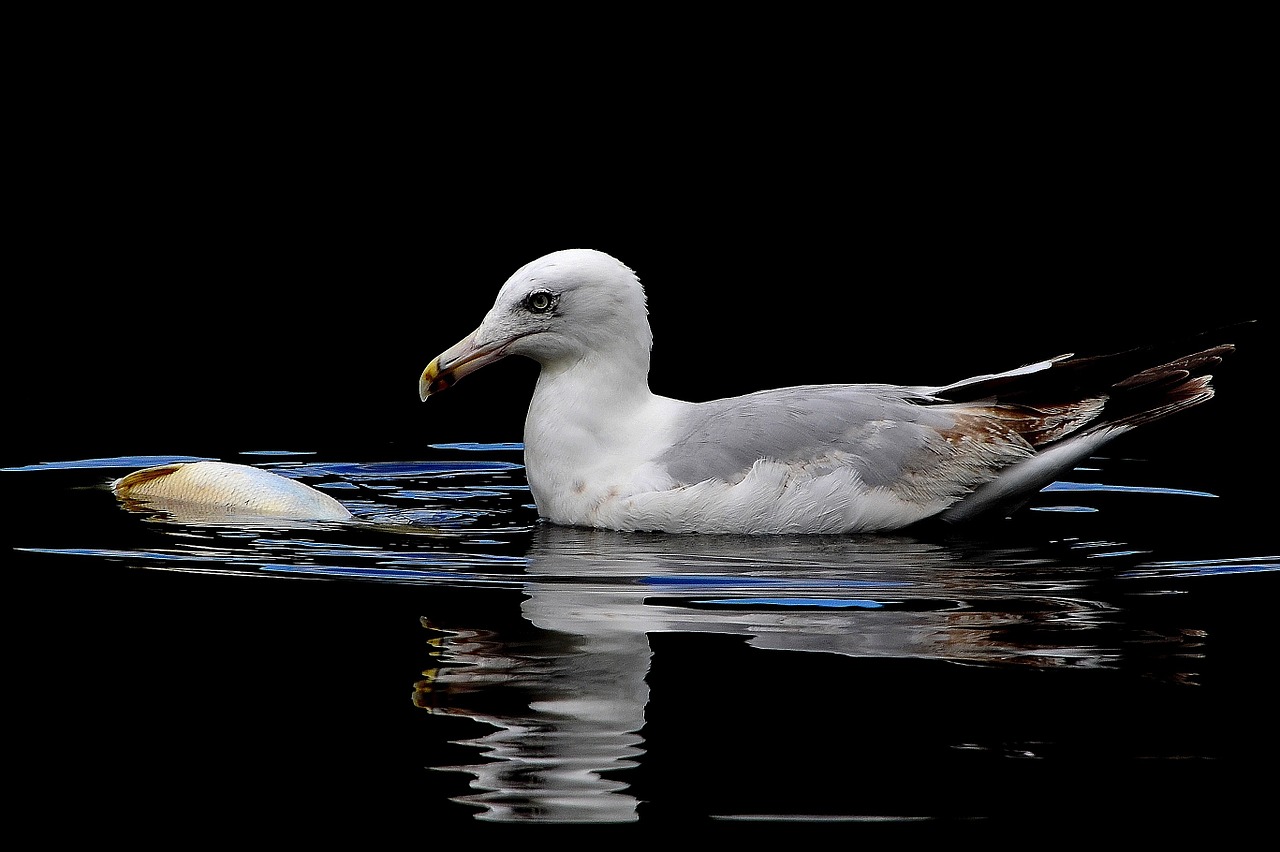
(602, 450)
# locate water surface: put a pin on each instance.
(1078, 658)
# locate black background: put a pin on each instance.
(235, 253)
(163, 312)
(212, 262)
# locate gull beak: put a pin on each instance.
(461, 359)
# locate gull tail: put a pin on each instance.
(1066, 408)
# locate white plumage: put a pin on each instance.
(601, 450)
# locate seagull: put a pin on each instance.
(602, 450)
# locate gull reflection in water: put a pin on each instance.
(573, 691)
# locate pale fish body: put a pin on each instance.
(211, 488)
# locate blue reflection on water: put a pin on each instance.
(126, 462)
(384, 470)
(582, 705)
(1204, 567)
(1130, 489)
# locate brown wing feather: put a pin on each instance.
(1075, 394)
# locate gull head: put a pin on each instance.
(565, 308)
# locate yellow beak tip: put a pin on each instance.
(433, 381)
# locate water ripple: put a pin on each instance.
(565, 695)
(1204, 567)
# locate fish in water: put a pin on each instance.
(215, 490)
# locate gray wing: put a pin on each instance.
(1002, 435)
(893, 436)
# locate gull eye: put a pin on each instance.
(540, 301)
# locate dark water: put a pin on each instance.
(1103, 655)
(1102, 660)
